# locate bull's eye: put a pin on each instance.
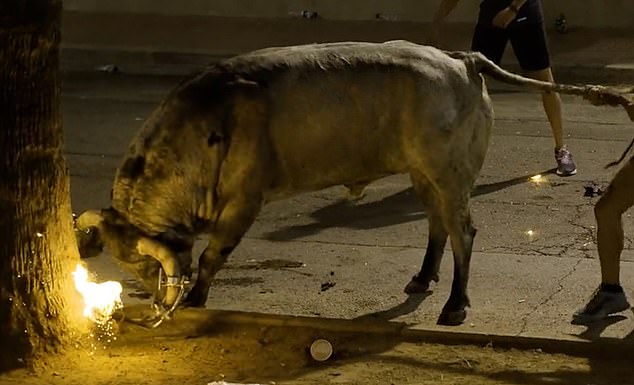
(214, 138)
(226, 250)
(133, 167)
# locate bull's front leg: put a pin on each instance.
(234, 220)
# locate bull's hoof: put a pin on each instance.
(452, 318)
(354, 196)
(418, 285)
(415, 287)
(193, 300)
(356, 192)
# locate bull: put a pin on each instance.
(281, 121)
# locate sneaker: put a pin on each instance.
(565, 164)
(602, 304)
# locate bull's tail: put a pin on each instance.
(485, 66)
(595, 94)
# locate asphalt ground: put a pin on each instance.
(534, 257)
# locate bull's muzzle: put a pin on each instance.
(174, 283)
(87, 233)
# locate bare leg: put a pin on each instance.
(552, 105)
(610, 297)
(618, 198)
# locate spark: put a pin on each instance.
(530, 233)
(101, 300)
(537, 179)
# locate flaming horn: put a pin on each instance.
(174, 284)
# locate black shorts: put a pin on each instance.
(528, 41)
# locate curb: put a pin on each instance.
(203, 321)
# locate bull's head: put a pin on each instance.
(136, 252)
(167, 187)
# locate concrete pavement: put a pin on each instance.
(524, 284)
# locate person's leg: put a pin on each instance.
(531, 49)
(618, 198)
(552, 105)
(608, 211)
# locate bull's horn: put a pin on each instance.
(168, 261)
(88, 219)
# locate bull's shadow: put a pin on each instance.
(408, 306)
(401, 207)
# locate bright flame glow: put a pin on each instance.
(530, 233)
(537, 178)
(101, 299)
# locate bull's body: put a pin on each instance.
(283, 121)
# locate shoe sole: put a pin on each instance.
(583, 319)
(559, 173)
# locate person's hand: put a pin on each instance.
(504, 18)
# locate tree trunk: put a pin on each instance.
(38, 250)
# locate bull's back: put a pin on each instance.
(350, 112)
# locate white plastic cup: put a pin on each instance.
(321, 350)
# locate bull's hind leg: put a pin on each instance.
(234, 220)
(457, 218)
(437, 238)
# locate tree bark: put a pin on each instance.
(38, 250)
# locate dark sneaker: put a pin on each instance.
(565, 165)
(602, 304)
